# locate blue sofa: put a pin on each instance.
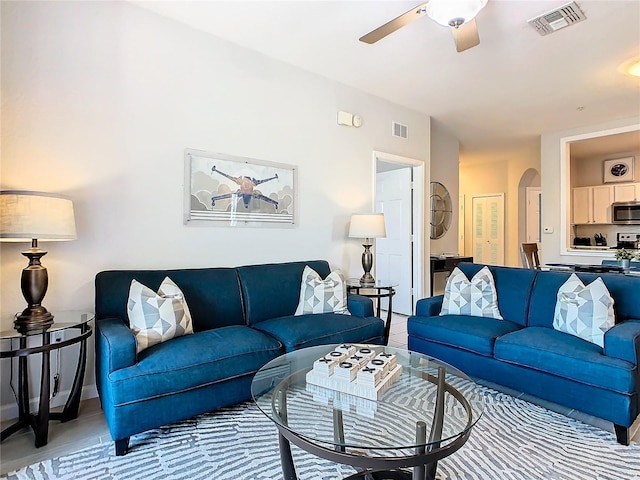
(242, 319)
(524, 352)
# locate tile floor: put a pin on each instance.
(90, 427)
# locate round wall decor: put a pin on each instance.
(441, 210)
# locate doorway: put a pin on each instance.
(399, 194)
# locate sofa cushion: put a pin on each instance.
(584, 311)
(566, 356)
(513, 303)
(213, 294)
(475, 297)
(623, 289)
(297, 332)
(322, 296)
(475, 334)
(193, 361)
(157, 317)
(273, 290)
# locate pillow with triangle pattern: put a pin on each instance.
(322, 296)
(157, 317)
(476, 297)
(584, 311)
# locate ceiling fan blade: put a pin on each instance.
(466, 35)
(398, 22)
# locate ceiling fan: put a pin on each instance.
(457, 14)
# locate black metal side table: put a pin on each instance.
(76, 330)
(378, 291)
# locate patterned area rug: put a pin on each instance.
(514, 440)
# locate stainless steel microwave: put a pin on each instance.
(626, 213)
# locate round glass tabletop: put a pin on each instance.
(355, 282)
(424, 390)
(61, 321)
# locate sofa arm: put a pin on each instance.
(360, 306)
(429, 307)
(115, 345)
(623, 341)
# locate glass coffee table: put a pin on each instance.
(425, 414)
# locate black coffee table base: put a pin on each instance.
(379, 468)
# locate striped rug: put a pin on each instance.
(514, 440)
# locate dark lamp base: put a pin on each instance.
(33, 319)
(34, 282)
(367, 280)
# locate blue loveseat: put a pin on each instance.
(242, 318)
(525, 353)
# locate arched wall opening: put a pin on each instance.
(529, 214)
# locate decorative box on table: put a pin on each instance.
(356, 371)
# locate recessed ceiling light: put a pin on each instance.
(631, 67)
(634, 69)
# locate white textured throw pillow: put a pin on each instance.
(322, 296)
(475, 297)
(157, 317)
(584, 311)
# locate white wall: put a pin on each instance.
(99, 101)
(589, 171)
(444, 169)
(550, 159)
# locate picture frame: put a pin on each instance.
(227, 190)
(619, 170)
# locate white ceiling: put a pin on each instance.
(497, 97)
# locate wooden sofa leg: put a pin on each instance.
(622, 434)
(122, 446)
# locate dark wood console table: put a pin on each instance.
(445, 264)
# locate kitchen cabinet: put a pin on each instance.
(592, 204)
(626, 192)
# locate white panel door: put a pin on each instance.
(394, 253)
(488, 229)
(461, 219)
(533, 215)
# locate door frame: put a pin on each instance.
(420, 247)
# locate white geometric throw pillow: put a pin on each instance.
(584, 311)
(322, 296)
(157, 317)
(476, 297)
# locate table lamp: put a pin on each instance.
(28, 217)
(367, 226)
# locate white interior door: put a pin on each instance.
(488, 229)
(461, 217)
(533, 215)
(394, 253)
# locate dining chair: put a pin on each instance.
(529, 254)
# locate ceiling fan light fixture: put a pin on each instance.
(453, 13)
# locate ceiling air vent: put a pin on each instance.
(399, 130)
(561, 17)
